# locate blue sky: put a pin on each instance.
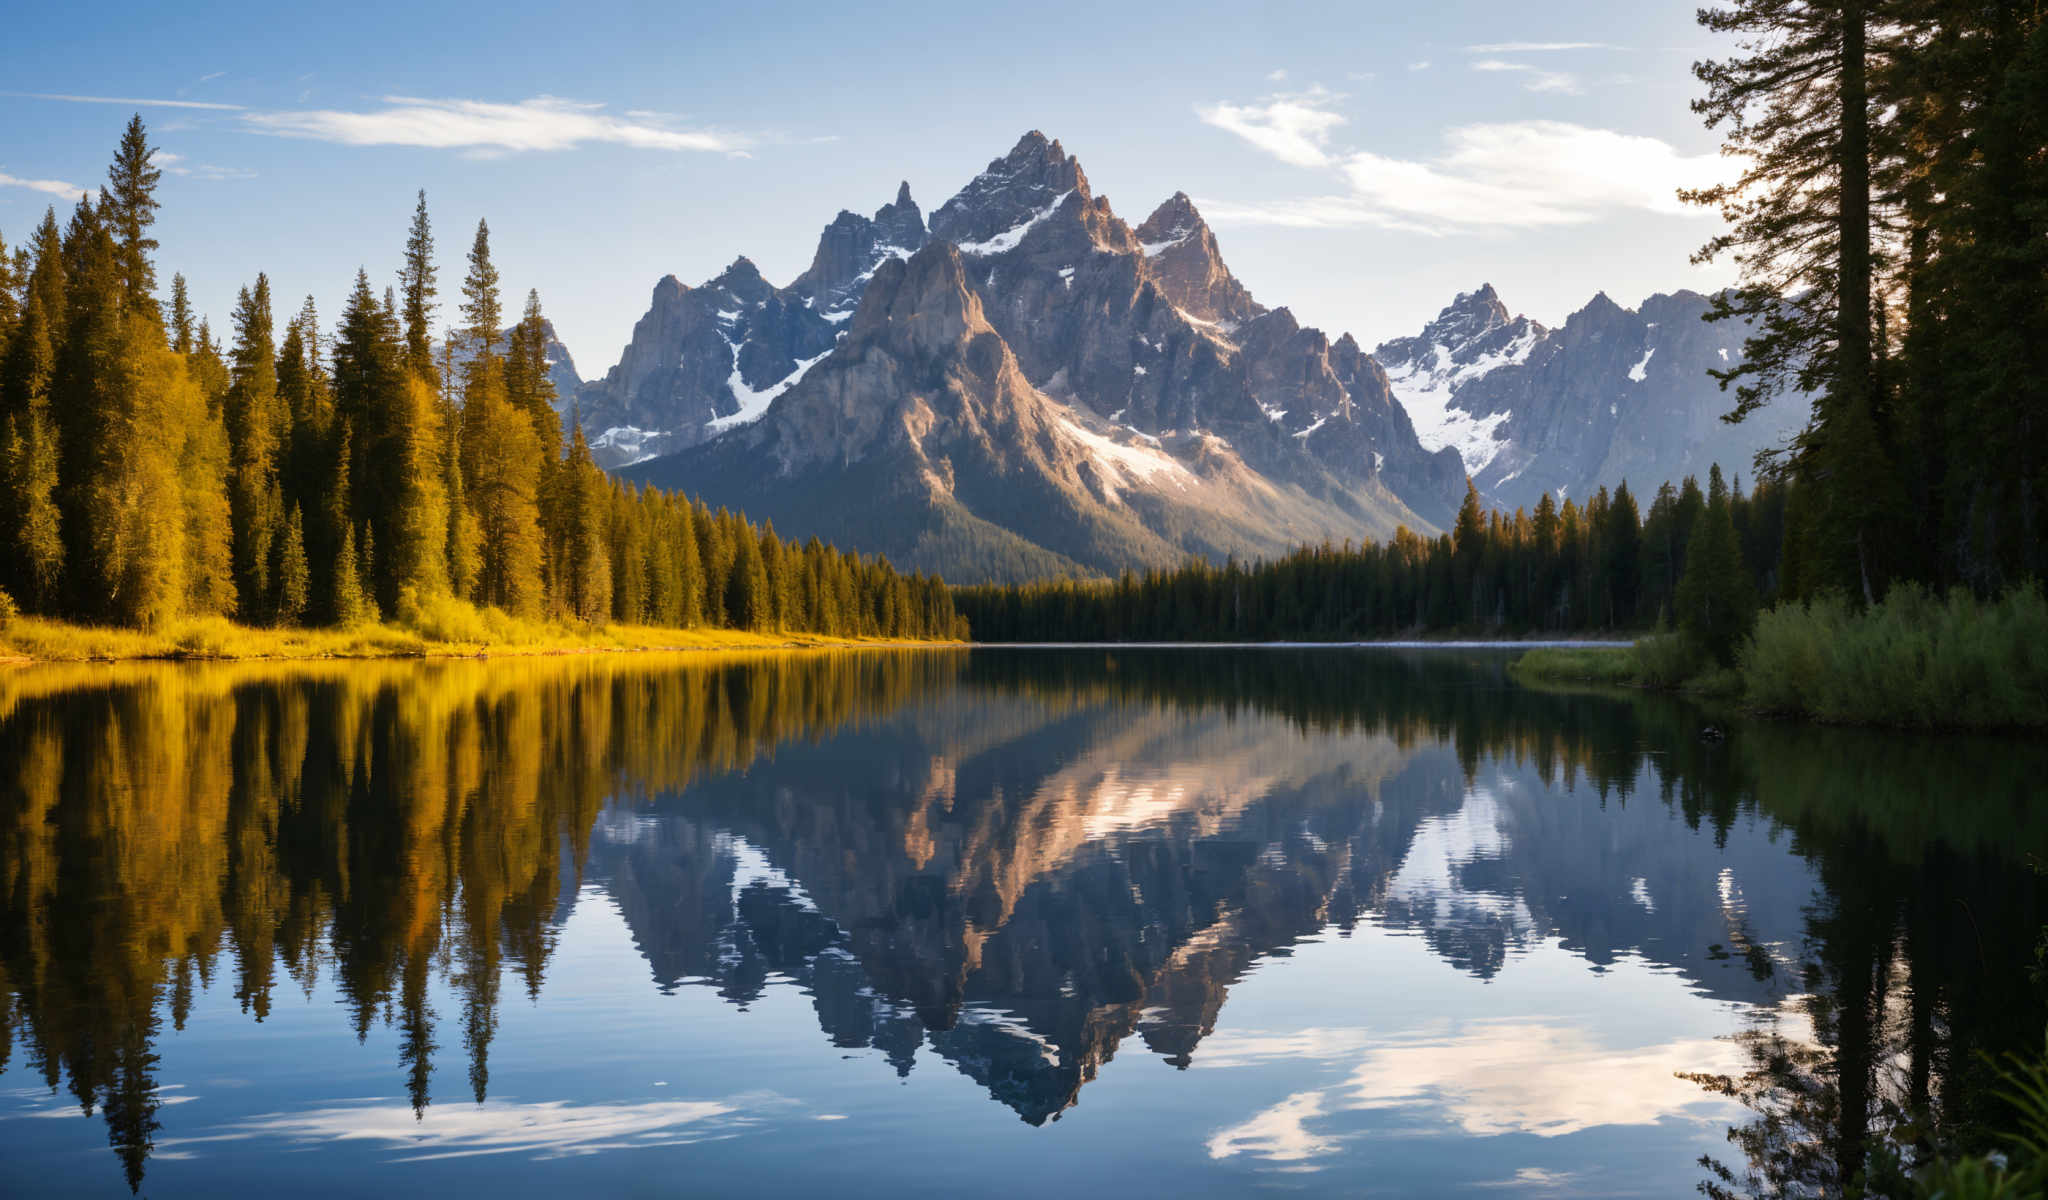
(1361, 162)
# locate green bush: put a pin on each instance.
(1912, 660)
(1668, 660)
(438, 618)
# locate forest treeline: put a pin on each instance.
(1700, 559)
(148, 472)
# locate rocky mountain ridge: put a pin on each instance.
(1127, 382)
(1039, 347)
(1613, 394)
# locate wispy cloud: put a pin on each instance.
(210, 76)
(1278, 75)
(486, 128)
(1517, 174)
(52, 187)
(124, 101)
(1292, 127)
(1536, 47)
(1539, 80)
(1423, 65)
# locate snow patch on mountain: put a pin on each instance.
(1426, 386)
(1641, 370)
(1134, 464)
(631, 443)
(1179, 234)
(753, 405)
(1009, 238)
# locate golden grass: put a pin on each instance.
(492, 633)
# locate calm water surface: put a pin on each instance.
(1000, 922)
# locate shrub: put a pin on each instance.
(1912, 660)
(8, 609)
(1668, 660)
(443, 618)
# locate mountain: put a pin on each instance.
(561, 367)
(1027, 385)
(1613, 394)
(702, 360)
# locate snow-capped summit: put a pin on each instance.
(1472, 337)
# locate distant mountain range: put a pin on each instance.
(1025, 384)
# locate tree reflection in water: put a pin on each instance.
(985, 882)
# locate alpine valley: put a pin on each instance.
(1023, 385)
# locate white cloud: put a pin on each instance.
(541, 1130)
(1539, 80)
(1485, 1079)
(1277, 76)
(1516, 174)
(53, 187)
(483, 127)
(1292, 127)
(1535, 47)
(125, 102)
(1278, 1134)
(1419, 66)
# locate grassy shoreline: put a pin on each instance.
(1912, 661)
(30, 640)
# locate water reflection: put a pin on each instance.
(1016, 865)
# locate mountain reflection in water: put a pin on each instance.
(1004, 865)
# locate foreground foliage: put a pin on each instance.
(1911, 661)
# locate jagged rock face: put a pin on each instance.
(1185, 263)
(850, 249)
(1142, 337)
(1614, 394)
(1144, 331)
(1168, 343)
(701, 360)
(561, 367)
(922, 437)
(1472, 337)
(1015, 190)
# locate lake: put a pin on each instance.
(991, 922)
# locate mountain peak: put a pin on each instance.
(1176, 216)
(1601, 307)
(1033, 142)
(903, 192)
(1011, 190)
(1183, 260)
(743, 279)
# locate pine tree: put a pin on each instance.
(294, 578)
(1716, 600)
(747, 603)
(587, 560)
(1621, 559)
(181, 316)
(36, 546)
(501, 453)
(129, 208)
(416, 287)
(257, 429)
(482, 313)
(526, 377)
(349, 605)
